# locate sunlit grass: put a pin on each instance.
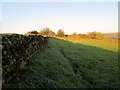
(111, 45)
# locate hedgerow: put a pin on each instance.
(16, 51)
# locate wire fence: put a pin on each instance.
(0, 61)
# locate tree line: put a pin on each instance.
(47, 32)
(60, 33)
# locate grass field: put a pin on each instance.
(111, 45)
(65, 64)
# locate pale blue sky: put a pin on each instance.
(79, 17)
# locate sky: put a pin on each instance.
(78, 17)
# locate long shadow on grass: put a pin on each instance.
(97, 67)
(63, 64)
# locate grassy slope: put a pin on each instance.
(101, 44)
(66, 64)
(111, 45)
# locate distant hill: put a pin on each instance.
(114, 35)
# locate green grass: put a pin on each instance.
(63, 64)
(101, 44)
